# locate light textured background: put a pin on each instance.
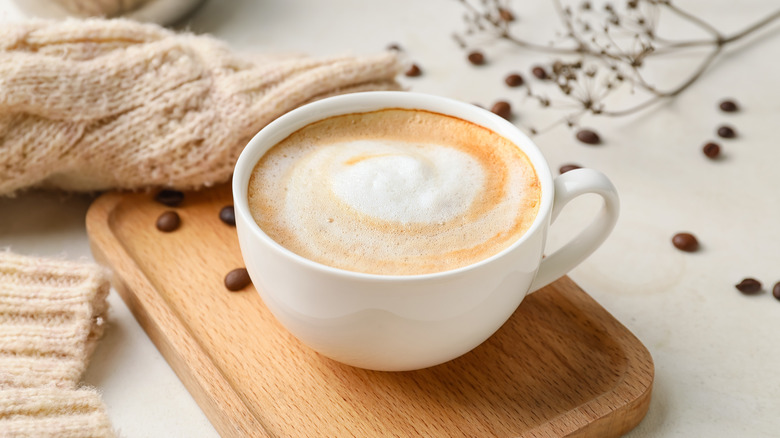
(716, 351)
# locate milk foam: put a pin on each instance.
(394, 192)
(398, 181)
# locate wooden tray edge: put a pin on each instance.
(636, 390)
(161, 324)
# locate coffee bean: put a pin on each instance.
(171, 198)
(726, 132)
(711, 150)
(395, 47)
(414, 71)
(514, 80)
(476, 58)
(749, 286)
(729, 106)
(567, 167)
(685, 242)
(168, 221)
(776, 290)
(588, 136)
(237, 279)
(506, 14)
(502, 108)
(539, 72)
(228, 215)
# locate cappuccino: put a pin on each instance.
(394, 192)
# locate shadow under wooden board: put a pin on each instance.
(561, 365)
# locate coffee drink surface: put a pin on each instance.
(394, 192)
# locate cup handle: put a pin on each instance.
(567, 187)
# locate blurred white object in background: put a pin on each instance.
(155, 11)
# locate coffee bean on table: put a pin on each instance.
(502, 108)
(228, 215)
(394, 46)
(711, 150)
(568, 167)
(728, 106)
(171, 198)
(237, 279)
(776, 290)
(514, 80)
(413, 71)
(685, 242)
(539, 72)
(168, 221)
(726, 132)
(749, 286)
(476, 57)
(506, 14)
(588, 136)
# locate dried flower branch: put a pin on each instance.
(601, 50)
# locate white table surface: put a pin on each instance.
(716, 351)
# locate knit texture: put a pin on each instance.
(95, 104)
(51, 315)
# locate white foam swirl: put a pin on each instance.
(398, 181)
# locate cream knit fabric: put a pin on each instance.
(95, 104)
(51, 314)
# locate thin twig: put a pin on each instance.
(750, 29)
(694, 19)
(665, 95)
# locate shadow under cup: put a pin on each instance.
(389, 322)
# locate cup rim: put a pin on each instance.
(369, 101)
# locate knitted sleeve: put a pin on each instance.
(51, 314)
(95, 104)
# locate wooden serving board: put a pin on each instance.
(561, 366)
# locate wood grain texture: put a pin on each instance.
(561, 366)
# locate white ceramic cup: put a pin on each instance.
(395, 323)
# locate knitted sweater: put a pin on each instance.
(95, 104)
(51, 314)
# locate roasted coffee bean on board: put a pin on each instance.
(685, 242)
(237, 279)
(588, 136)
(776, 290)
(171, 198)
(168, 221)
(228, 215)
(749, 286)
